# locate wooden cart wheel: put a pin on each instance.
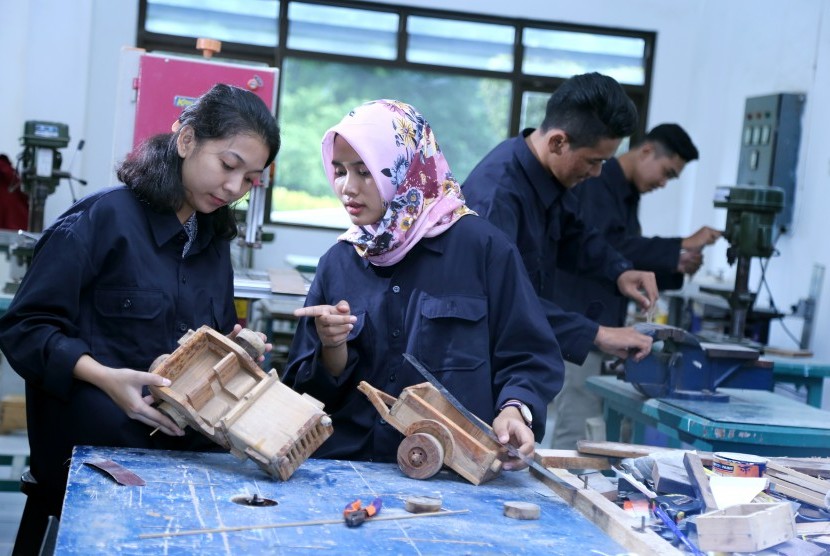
(420, 456)
(170, 410)
(251, 343)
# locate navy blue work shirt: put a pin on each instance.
(512, 189)
(460, 302)
(108, 279)
(611, 203)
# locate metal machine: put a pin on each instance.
(40, 174)
(750, 223)
(681, 366)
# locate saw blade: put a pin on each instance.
(481, 425)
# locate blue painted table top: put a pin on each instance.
(187, 491)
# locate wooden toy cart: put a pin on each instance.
(436, 434)
(218, 389)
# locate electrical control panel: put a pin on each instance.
(769, 147)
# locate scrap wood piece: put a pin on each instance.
(571, 459)
(600, 483)
(422, 504)
(700, 481)
(671, 478)
(800, 486)
(816, 467)
(812, 528)
(609, 517)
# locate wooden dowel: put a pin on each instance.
(292, 524)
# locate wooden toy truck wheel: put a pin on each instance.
(420, 456)
(251, 343)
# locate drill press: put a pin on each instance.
(750, 224)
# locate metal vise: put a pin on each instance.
(680, 366)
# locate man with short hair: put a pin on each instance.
(522, 186)
(610, 203)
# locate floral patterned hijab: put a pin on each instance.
(421, 197)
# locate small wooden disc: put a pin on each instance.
(422, 504)
(522, 510)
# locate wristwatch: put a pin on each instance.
(523, 409)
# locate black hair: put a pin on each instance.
(590, 107)
(154, 169)
(674, 140)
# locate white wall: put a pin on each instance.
(710, 56)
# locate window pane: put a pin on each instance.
(243, 21)
(342, 31)
(565, 53)
(469, 117)
(463, 44)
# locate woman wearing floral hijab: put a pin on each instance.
(418, 272)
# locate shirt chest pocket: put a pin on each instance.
(453, 333)
(129, 326)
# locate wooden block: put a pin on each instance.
(699, 481)
(12, 414)
(600, 483)
(670, 479)
(745, 527)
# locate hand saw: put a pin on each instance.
(470, 416)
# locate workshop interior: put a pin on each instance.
(717, 442)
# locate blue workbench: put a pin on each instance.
(753, 421)
(188, 490)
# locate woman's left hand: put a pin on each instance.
(510, 428)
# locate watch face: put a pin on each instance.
(526, 414)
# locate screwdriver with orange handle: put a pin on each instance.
(355, 513)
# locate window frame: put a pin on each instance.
(521, 82)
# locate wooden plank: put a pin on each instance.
(817, 467)
(745, 527)
(608, 516)
(795, 491)
(802, 479)
(287, 280)
(700, 481)
(571, 459)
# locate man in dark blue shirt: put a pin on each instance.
(610, 203)
(522, 186)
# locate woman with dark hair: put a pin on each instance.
(119, 278)
(417, 272)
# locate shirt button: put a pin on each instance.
(382, 422)
(396, 289)
(127, 304)
(396, 333)
(184, 280)
(182, 327)
(392, 378)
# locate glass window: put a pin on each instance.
(469, 117)
(566, 53)
(463, 44)
(347, 31)
(243, 21)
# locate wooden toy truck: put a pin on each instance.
(436, 434)
(218, 389)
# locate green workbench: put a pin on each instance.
(753, 421)
(801, 371)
